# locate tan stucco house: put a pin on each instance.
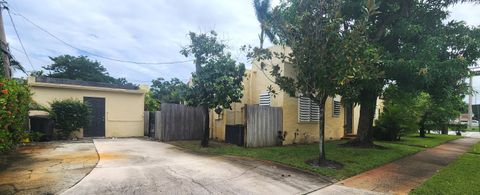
(117, 111)
(300, 115)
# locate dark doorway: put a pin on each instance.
(97, 120)
(348, 119)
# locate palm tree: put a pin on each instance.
(14, 65)
(262, 10)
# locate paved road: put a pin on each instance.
(472, 134)
(135, 166)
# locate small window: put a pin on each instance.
(337, 106)
(308, 111)
(264, 99)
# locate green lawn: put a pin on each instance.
(431, 140)
(354, 160)
(460, 177)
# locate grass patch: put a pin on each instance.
(475, 149)
(460, 177)
(431, 140)
(354, 160)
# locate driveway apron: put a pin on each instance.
(136, 166)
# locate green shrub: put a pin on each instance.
(400, 116)
(36, 136)
(69, 116)
(458, 127)
(14, 101)
(394, 123)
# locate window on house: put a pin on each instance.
(307, 110)
(337, 106)
(264, 99)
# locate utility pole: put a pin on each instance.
(4, 44)
(470, 99)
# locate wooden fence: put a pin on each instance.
(146, 125)
(263, 124)
(179, 122)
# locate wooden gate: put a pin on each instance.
(179, 122)
(263, 125)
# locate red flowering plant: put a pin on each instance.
(15, 98)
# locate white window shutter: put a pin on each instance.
(337, 106)
(304, 109)
(307, 110)
(264, 99)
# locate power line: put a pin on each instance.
(93, 54)
(19, 39)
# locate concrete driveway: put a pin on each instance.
(136, 166)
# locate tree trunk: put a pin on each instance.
(321, 125)
(422, 132)
(368, 104)
(422, 125)
(206, 127)
(444, 128)
(261, 36)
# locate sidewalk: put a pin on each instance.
(403, 175)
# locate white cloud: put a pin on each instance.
(467, 12)
(150, 30)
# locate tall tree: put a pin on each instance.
(403, 32)
(264, 16)
(458, 48)
(322, 51)
(438, 113)
(173, 91)
(79, 68)
(217, 81)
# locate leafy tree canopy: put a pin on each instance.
(432, 56)
(79, 68)
(419, 52)
(326, 51)
(173, 91)
(264, 17)
(151, 104)
(217, 81)
(218, 78)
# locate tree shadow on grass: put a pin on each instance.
(359, 145)
(325, 163)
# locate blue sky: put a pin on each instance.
(149, 30)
